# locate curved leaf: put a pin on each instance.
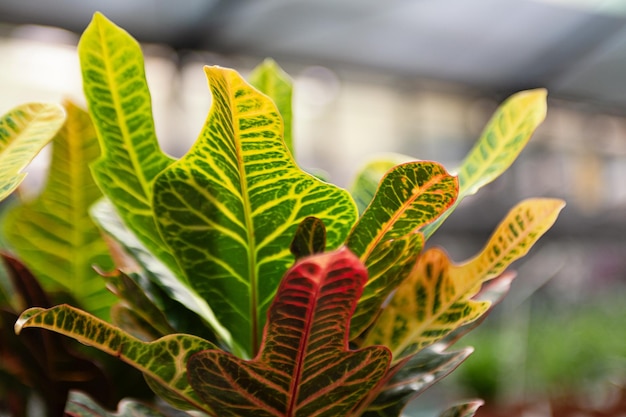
(119, 104)
(387, 237)
(272, 81)
(310, 238)
(54, 234)
(304, 367)
(504, 137)
(24, 131)
(367, 179)
(162, 361)
(230, 207)
(81, 405)
(437, 297)
(409, 378)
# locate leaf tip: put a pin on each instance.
(24, 319)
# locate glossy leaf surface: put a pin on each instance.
(54, 234)
(502, 140)
(272, 81)
(367, 179)
(304, 367)
(24, 131)
(310, 238)
(437, 297)
(409, 378)
(119, 104)
(162, 361)
(387, 237)
(230, 207)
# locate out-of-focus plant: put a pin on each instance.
(306, 303)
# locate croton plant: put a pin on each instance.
(236, 282)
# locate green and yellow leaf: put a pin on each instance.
(24, 131)
(502, 140)
(162, 361)
(310, 238)
(304, 367)
(119, 104)
(387, 237)
(437, 296)
(54, 234)
(229, 209)
(463, 410)
(272, 81)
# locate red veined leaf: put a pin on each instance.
(304, 367)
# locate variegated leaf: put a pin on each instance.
(437, 297)
(272, 81)
(230, 207)
(502, 140)
(387, 237)
(304, 367)
(119, 104)
(463, 410)
(54, 234)
(24, 131)
(310, 238)
(162, 361)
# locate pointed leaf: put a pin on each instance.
(162, 361)
(304, 367)
(366, 182)
(54, 234)
(437, 297)
(387, 236)
(463, 410)
(24, 131)
(409, 378)
(230, 207)
(310, 238)
(504, 137)
(119, 104)
(272, 81)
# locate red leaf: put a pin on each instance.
(304, 367)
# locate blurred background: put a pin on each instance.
(418, 77)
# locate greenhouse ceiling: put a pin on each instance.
(576, 48)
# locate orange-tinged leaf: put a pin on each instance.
(437, 296)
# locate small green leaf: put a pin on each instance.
(54, 234)
(437, 296)
(310, 238)
(119, 104)
(304, 367)
(162, 361)
(409, 378)
(366, 182)
(272, 81)
(504, 137)
(230, 207)
(387, 237)
(24, 131)
(463, 410)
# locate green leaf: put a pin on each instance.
(272, 81)
(463, 410)
(162, 361)
(504, 137)
(24, 131)
(304, 367)
(310, 238)
(437, 296)
(135, 258)
(409, 378)
(387, 237)
(119, 104)
(230, 207)
(366, 182)
(54, 234)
